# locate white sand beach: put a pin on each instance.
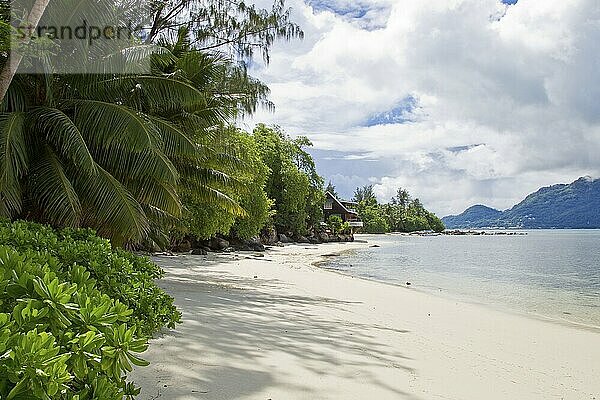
(277, 327)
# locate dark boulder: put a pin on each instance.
(283, 238)
(324, 237)
(218, 244)
(314, 240)
(302, 239)
(199, 252)
(255, 245)
(269, 237)
(183, 247)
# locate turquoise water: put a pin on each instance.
(546, 273)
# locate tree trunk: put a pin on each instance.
(15, 57)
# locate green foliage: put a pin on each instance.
(120, 152)
(235, 27)
(335, 223)
(247, 175)
(365, 196)
(373, 219)
(294, 184)
(401, 214)
(331, 189)
(74, 314)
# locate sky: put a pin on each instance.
(462, 102)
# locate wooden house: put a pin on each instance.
(344, 209)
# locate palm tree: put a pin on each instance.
(115, 152)
(80, 151)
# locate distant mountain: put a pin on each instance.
(576, 206)
(475, 216)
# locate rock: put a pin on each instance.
(302, 239)
(324, 237)
(242, 247)
(255, 245)
(199, 252)
(283, 238)
(314, 240)
(183, 247)
(218, 244)
(375, 245)
(407, 283)
(269, 237)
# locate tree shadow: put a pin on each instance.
(231, 321)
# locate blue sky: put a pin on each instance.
(460, 101)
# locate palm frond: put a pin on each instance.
(109, 124)
(176, 142)
(14, 160)
(127, 165)
(63, 134)
(208, 195)
(111, 208)
(159, 195)
(52, 191)
(161, 92)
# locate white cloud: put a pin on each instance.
(523, 87)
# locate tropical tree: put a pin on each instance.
(128, 153)
(110, 151)
(88, 151)
(245, 185)
(401, 214)
(365, 195)
(293, 184)
(231, 27)
(402, 198)
(331, 189)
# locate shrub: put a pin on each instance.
(335, 223)
(74, 313)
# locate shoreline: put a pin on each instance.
(443, 293)
(495, 307)
(312, 334)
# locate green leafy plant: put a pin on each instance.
(335, 223)
(74, 314)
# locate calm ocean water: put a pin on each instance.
(547, 273)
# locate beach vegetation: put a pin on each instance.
(75, 313)
(293, 184)
(143, 158)
(402, 214)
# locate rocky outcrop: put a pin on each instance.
(183, 247)
(301, 239)
(218, 244)
(256, 245)
(283, 238)
(269, 237)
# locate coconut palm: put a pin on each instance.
(114, 152)
(76, 151)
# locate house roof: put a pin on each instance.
(340, 202)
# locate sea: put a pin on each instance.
(547, 274)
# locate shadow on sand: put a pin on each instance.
(237, 330)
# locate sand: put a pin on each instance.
(277, 327)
